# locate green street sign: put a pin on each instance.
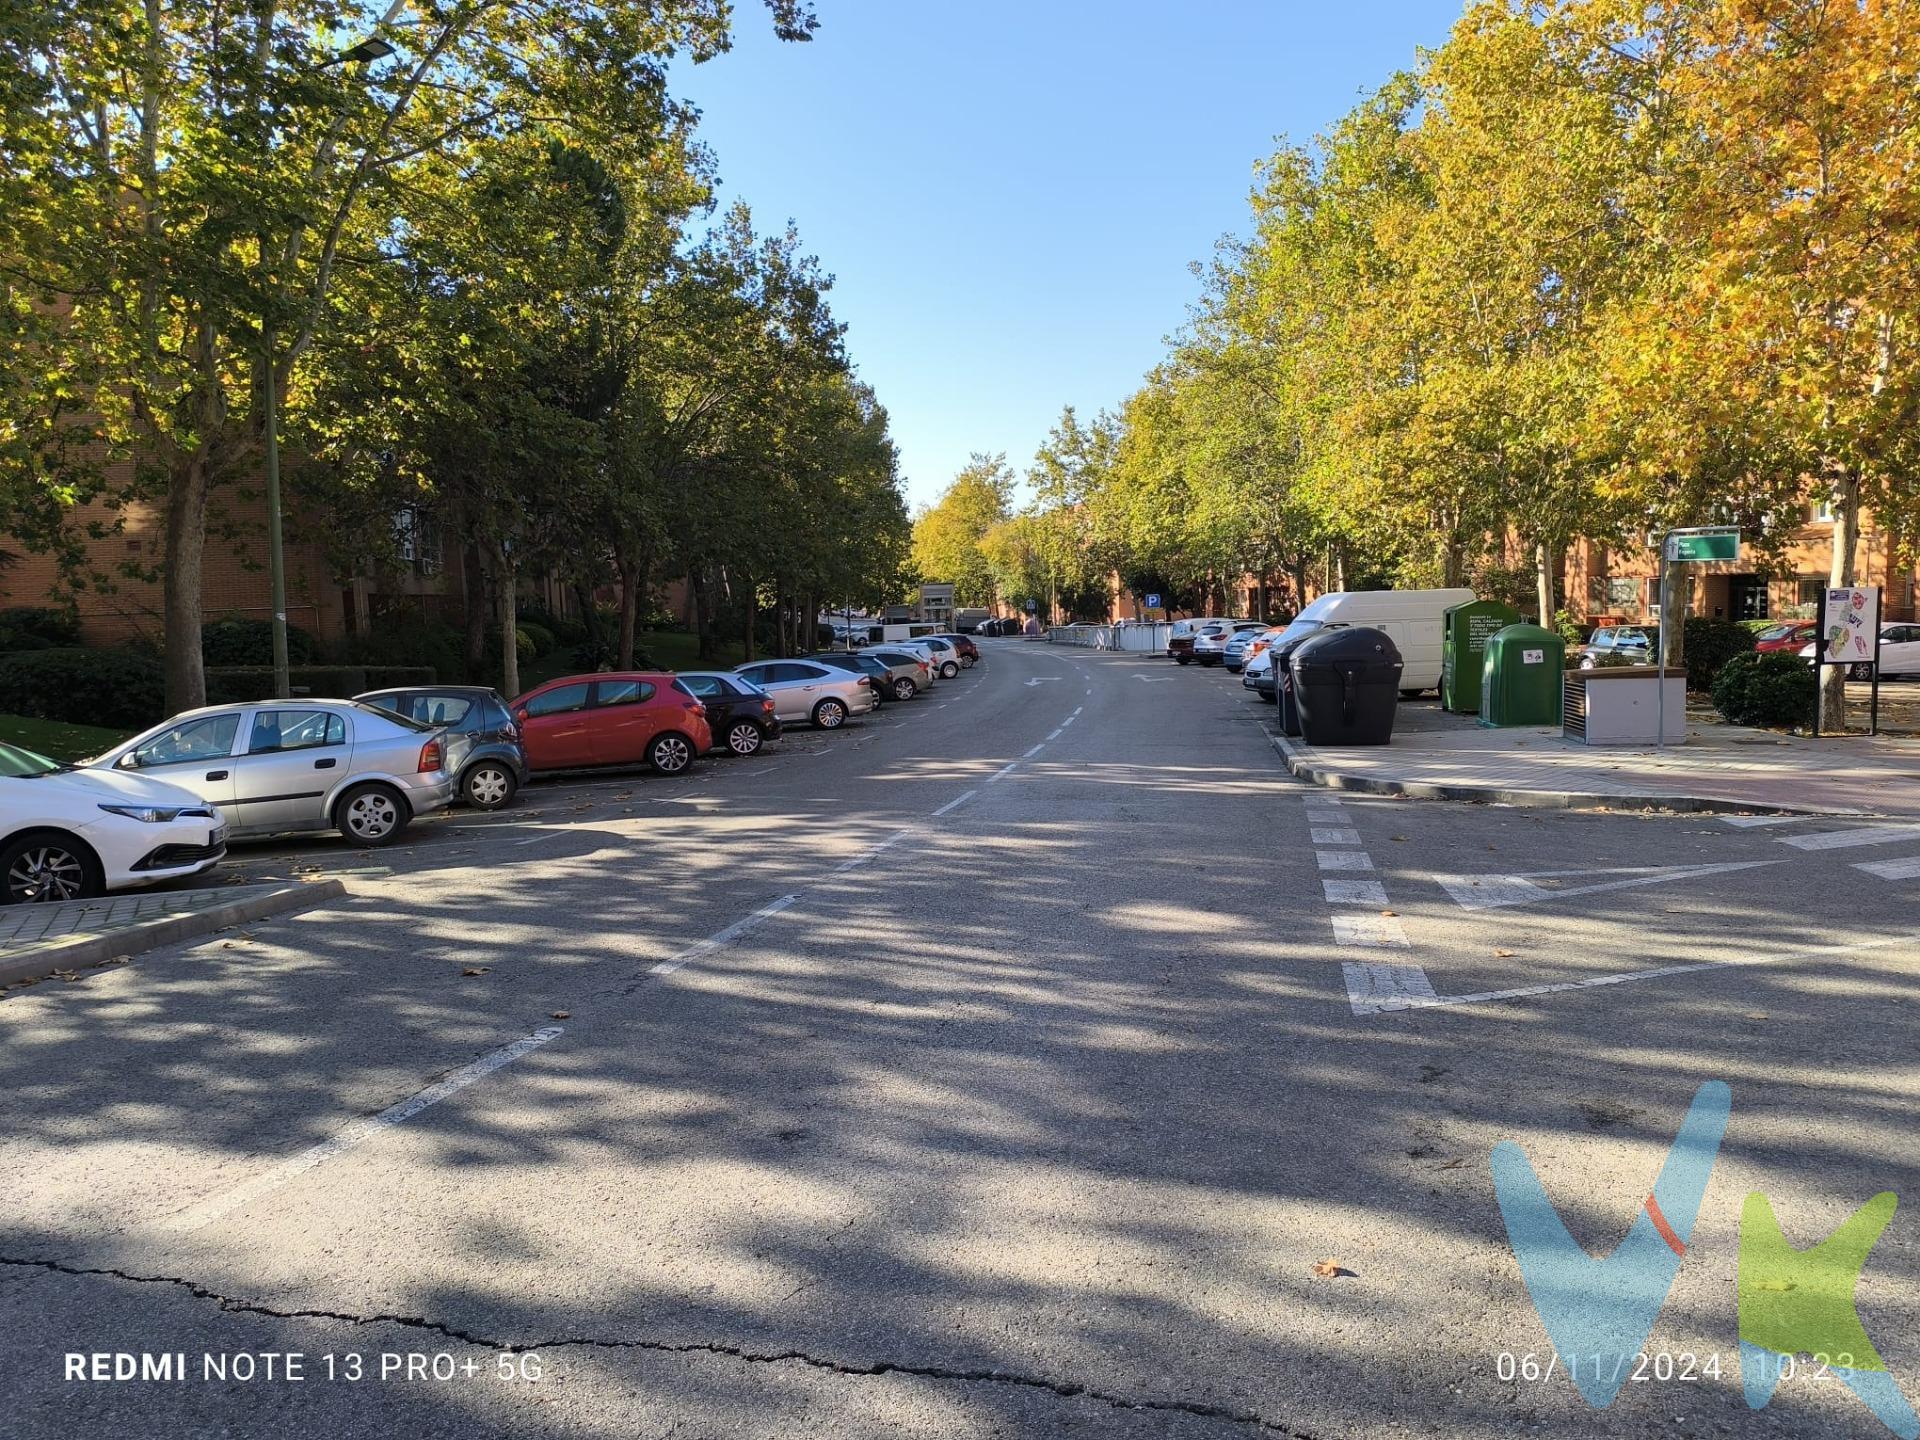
(1704, 545)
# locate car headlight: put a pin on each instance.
(151, 814)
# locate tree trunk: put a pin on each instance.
(473, 578)
(509, 631)
(1543, 564)
(185, 546)
(629, 612)
(748, 617)
(702, 621)
(1846, 540)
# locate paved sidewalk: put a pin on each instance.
(41, 940)
(1721, 767)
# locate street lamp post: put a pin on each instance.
(276, 560)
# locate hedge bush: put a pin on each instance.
(1775, 691)
(239, 684)
(1710, 644)
(406, 637)
(84, 687)
(239, 640)
(538, 635)
(36, 627)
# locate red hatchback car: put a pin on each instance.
(1788, 635)
(617, 719)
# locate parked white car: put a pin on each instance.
(68, 834)
(287, 765)
(1899, 653)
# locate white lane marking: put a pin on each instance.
(1003, 771)
(1354, 892)
(1055, 734)
(1034, 751)
(1313, 800)
(1078, 708)
(722, 938)
(1151, 680)
(1374, 986)
(956, 802)
(359, 1132)
(1847, 839)
(1661, 972)
(545, 834)
(1066, 722)
(1334, 835)
(1490, 892)
(1906, 869)
(1754, 822)
(1041, 680)
(1344, 859)
(1370, 932)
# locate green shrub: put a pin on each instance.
(239, 684)
(1710, 644)
(1570, 628)
(239, 640)
(407, 637)
(538, 635)
(1774, 691)
(84, 687)
(36, 627)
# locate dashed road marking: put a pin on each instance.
(1334, 835)
(1034, 751)
(1755, 822)
(1907, 869)
(1847, 839)
(1344, 859)
(956, 802)
(1354, 892)
(1491, 892)
(1374, 986)
(1003, 771)
(1371, 932)
(722, 938)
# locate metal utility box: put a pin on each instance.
(1347, 685)
(1520, 677)
(1465, 630)
(1622, 707)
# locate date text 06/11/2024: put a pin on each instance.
(1656, 1367)
(294, 1367)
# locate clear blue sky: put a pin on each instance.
(1009, 194)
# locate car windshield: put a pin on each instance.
(1777, 632)
(19, 764)
(1296, 630)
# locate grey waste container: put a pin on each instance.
(1347, 685)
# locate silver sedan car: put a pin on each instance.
(288, 765)
(805, 691)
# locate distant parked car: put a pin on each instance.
(805, 691)
(879, 676)
(69, 834)
(290, 765)
(484, 750)
(625, 718)
(1210, 641)
(946, 653)
(739, 713)
(1241, 642)
(967, 650)
(1899, 653)
(1629, 642)
(1788, 635)
(908, 665)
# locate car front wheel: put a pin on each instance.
(48, 866)
(830, 714)
(744, 738)
(372, 814)
(489, 786)
(904, 689)
(670, 754)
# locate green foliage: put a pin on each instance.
(35, 627)
(86, 687)
(1774, 691)
(58, 739)
(239, 684)
(408, 637)
(238, 640)
(538, 638)
(1571, 628)
(1709, 645)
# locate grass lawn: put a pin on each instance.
(56, 739)
(669, 649)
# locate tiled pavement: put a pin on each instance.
(1720, 765)
(24, 926)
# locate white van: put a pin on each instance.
(1411, 618)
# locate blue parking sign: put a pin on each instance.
(1153, 602)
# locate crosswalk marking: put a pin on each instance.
(1905, 869)
(1847, 839)
(1335, 835)
(1373, 986)
(1754, 822)
(1370, 932)
(1344, 859)
(1354, 892)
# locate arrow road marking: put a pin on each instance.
(1041, 680)
(1491, 892)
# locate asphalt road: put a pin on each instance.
(1006, 1064)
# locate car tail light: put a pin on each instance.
(431, 757)
(696, 707)
(767, 705)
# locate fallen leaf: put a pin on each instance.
(1386, 912)
(1328, 1269)
(478, 970)
(563, 1014)
(1503, 954)
(1399, 837)
(1757, 1015)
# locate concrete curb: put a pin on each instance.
(83, 951)
(1334, 779)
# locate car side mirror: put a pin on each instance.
(128, 761)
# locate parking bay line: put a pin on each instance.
(956, 802)
(720, 939)
(359, 1132)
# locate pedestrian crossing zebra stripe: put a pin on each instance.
(1857, 835)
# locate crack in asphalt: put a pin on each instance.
(1065, 1389)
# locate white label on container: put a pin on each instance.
(1533, 657)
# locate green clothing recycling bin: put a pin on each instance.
(1465, 630)
(1520, 681)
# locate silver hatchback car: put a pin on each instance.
(286, 765)
(805, 691)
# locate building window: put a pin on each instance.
(1653, 594)
(417, 539)
(1821, 512)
